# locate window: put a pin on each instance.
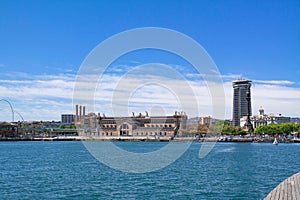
(124, 129)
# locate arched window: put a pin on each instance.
(124, 129)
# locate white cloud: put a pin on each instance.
(46, 97)
(231, 76)
(276, 99)
(274, 82)
(43, 97)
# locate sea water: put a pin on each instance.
(66, 170)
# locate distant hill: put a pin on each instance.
(295, 119)
(194, 120)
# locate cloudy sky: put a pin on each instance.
(44, 43)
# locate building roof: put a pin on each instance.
(140, 120)
(7, 124)
(241, 81)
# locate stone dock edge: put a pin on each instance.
(146, 139)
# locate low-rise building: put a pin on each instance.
(142, 125)
(206, 120)
(8, 129)
(263, 119)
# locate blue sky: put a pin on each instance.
(45, 42)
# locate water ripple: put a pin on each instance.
(65, 170)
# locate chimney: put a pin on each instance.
(80, 112)
(76, 113)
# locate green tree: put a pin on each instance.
(232, 130)
(260, 130)
(227, 130)
(296, 128)
(240, 131)
(73, 126)
(38, 127)
(286, 128)
(272, 129)
(62, 126)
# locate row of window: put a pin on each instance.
(137, 133)
(146, 133)
(158, 125)
(146, 125)
(109, 126)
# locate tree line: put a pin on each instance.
(270, 129)
(273, 129)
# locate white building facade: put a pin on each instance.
(263, 119)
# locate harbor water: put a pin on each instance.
(66, 170)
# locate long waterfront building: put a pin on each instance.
(142, 125)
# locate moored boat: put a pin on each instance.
(296, 140)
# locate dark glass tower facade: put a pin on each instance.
(241, 106)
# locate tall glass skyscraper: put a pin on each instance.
(241, 107)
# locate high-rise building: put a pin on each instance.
(67, 119)
(241, 100)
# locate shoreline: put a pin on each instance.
(151, 139)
